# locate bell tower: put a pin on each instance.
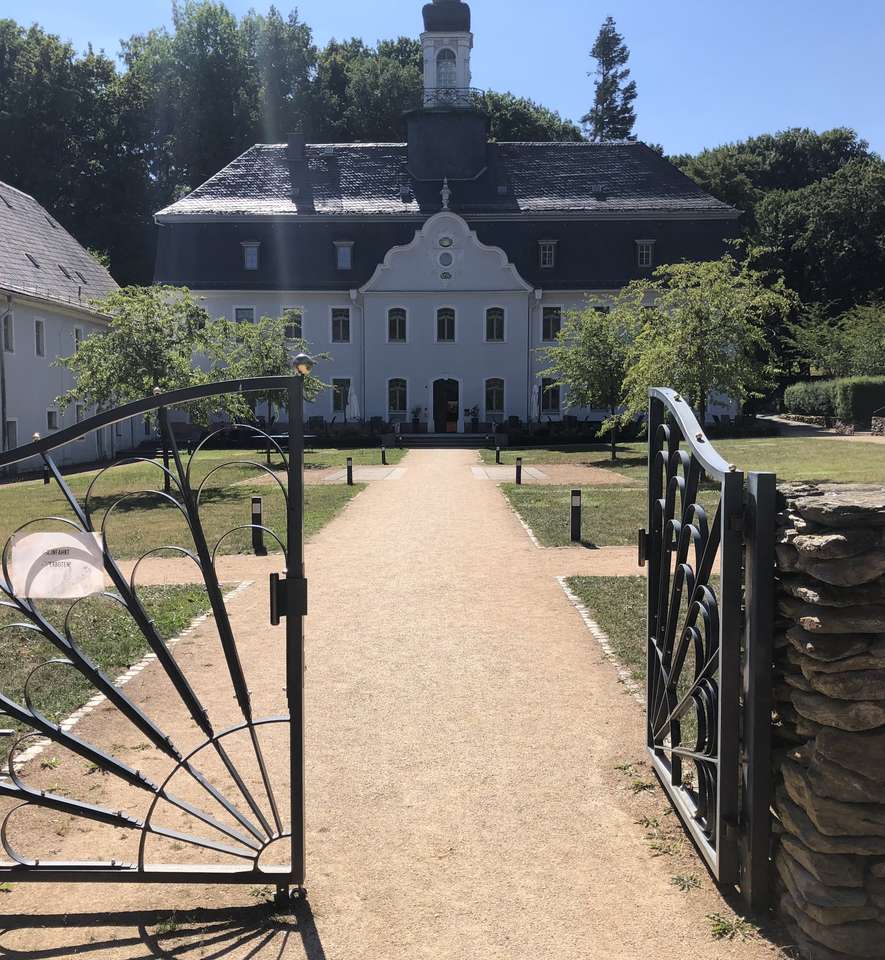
(448, 133)
(446, 42)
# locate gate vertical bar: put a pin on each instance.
(757, 693)
(731, 559)
(295, 623)
(653, 552)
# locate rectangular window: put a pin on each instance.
(250, 256)
(445, 325)
(78, 337)
(396, 325)
(551, 323)
(344, 255)
(494, 396)
(341, 325)
(244, 314)
(645, 253)
(52, 419)
(11, 434)
(294, 324)
(396, 396)
(340, 393)
(495, 325)
(547, 254)
(8, 333)
(549, 395)
(40, 338)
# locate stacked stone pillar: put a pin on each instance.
(829, 795)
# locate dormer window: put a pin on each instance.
(344, 254)
(446, 69)
(547, 254)
(645, 254)
(250, 256)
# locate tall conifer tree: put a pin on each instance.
(612, 116)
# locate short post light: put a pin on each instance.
(383, 454)
(498, 453)
(576, 516)
(519, 471)
(350, 471)
(257, 531)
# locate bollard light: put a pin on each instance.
(350, 471)
(519, 471)
(257, 532)
(576, 516)
(498, 453)
(383, 455)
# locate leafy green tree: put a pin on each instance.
(704, 333)
(852, 344)
(518, 118)
(592, 355)
(612, 115)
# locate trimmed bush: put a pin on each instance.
(815, 398)
(856, 399)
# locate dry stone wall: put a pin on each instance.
(829, 754)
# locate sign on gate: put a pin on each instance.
(62, 565)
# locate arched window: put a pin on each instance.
(446, 69)
(445, 325)
(396, 396)
(494, 396)
(495, 324)
(396, 325)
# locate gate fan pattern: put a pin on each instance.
(218, 806)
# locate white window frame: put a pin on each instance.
(343, 248)
(557, 412)
(436, 312)
(53, 410)
(332, 323)
(242, 306)
(387, 313)
(39, 325)
(404, 413)
(645, 246)
(485, 320)
(346, 398)
(550, 306)
(251, 246)
(502, 413)
(297, 309)
(543, 246)
(9, 318)
(5, 438)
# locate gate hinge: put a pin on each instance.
(643, 547)
(288, 597)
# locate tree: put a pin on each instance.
(518, 118)
(704, 333)
(612, 115)
(592, 355)
(851, 345)
(153, 337)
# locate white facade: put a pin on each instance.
(445, 267)
(35, 332)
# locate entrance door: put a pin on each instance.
(445, 406)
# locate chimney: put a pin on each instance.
(295, 148)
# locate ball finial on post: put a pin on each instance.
(303, 364)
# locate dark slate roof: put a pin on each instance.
(359, 179)
(40, 258)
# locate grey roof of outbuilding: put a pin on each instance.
(366, 179)
(27, 229)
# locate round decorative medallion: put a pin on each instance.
(446, 259)
(446, 241)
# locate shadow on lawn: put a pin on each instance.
(255, 932)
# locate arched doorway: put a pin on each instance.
(446, 399)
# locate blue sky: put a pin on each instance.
(707, 72)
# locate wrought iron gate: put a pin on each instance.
(710, 643)
(226, 799)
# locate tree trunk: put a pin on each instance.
(614, 439)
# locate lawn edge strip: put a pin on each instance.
(93, 703)
(602, 638)
(535, 542)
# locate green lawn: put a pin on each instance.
(104, 631)
(791, 458)
(617, 604)
(145, 521)
(610, 516)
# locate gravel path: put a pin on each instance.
(463, 733)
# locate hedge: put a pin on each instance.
(850, 399)
(856, 399)
(813, 399)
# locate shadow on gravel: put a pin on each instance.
(247, 933)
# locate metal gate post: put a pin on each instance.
(653, 551)
(761, 508)
(295, 624)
